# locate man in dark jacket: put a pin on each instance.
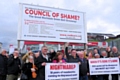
(115, 53)
(84, 68)
(73, 57)
(14, 66)
(3, 65)
(41, 61)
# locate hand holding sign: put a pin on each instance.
(43, 64)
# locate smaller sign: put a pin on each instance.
(62, 71)
(104, 66)
(11, 49)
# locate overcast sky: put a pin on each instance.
(102, 16)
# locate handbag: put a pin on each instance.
(23, 76)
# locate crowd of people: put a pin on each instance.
(32, 65)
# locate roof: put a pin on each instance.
(118, 36)
(100, 34)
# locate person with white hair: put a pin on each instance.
(104, 54)
(41, 61)
(14, 66)
(84, 67)
(97, 77)
(97, 56)
(115, 53)
(3, 65)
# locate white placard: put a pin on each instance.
(104, 66)
(38, 23)
(62, 71)
(11, 49)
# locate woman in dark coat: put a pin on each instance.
(28, 68)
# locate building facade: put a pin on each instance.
(94, 40)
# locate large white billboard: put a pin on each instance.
(39, 23)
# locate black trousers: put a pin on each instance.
(115, 77)
(2, 77)
(105, 77)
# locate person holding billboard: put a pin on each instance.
(41, 61)
(97, 77)
(104, 55)
(84, 67)
(115, 53)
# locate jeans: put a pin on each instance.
(83, 77)
(12, 77)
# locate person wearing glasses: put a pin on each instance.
(41, 61)
(73, 57)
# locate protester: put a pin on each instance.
(95, 51)
(115, 53)
(28, 68)
(41, 61)
(25, 57)
(97, 77)
(3, 65)
(108, 50)
(14, 66)
(104, 55)
(52, 54)
(59, 58)
(84, 68)
(73, 57)
(90, 55)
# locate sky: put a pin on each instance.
(102, 16)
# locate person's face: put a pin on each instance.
(104, 54)
(95, 51)
(44, 50)
(90, 55)
(31, 54)
(31, 60)
(81, 54)
(16, 54)
(114, 49)
(60, 57)
(73, 52)
(108, 49)
(4, 52)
